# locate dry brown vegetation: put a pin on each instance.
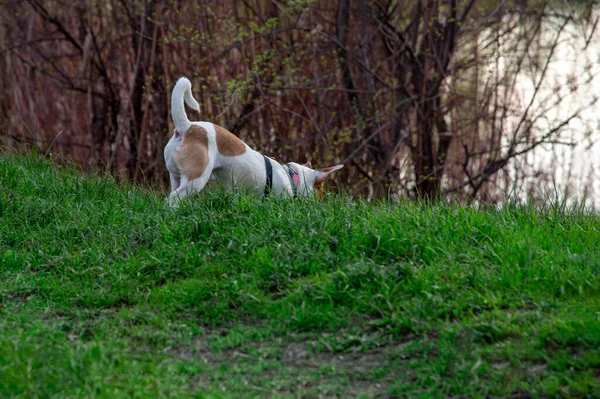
(416, 97)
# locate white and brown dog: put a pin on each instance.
(198, 151)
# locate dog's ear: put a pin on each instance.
(322, 174)
(308, 165)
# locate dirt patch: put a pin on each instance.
(282, 365)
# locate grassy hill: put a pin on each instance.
(105, 292)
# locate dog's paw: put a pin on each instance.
(174, 200)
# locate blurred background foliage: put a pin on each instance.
(418, 98)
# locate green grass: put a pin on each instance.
(105, 292)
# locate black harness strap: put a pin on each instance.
(269, 169)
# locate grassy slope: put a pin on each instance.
(105, 292)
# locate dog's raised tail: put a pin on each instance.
(182, 92)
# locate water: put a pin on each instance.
(555, 171)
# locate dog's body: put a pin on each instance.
(198, 151)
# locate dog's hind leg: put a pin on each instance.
(175, 182)
(189, 187)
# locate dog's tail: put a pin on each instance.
(182, 91)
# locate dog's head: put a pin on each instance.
(312, 181)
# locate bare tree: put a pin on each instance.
(424, 44)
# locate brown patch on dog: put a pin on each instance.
(192, 156)
(320, 188)
(320, 176)
(228, 144)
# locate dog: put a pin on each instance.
(199, 151)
